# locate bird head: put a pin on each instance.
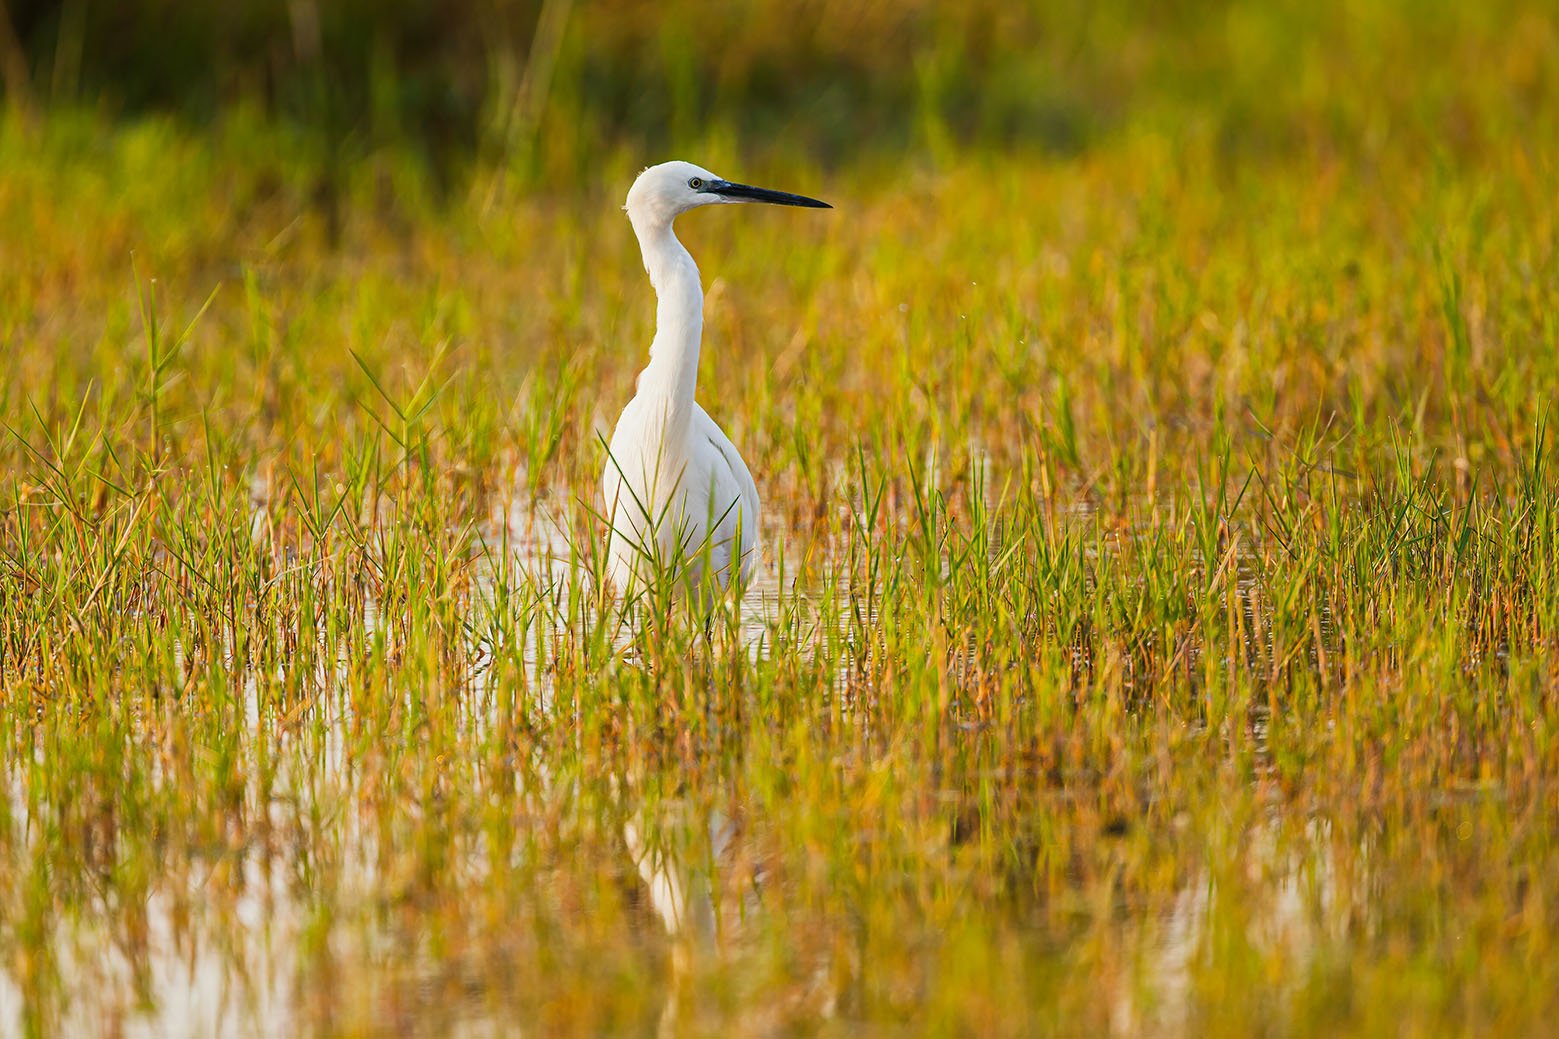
(661, 193)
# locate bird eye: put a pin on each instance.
(696, 183)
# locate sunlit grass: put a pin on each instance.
(1156, 632)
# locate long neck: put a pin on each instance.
(672, 373)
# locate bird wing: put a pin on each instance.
(732, 479)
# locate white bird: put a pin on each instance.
(676, 490)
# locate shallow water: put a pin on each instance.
(185, 963)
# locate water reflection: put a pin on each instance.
(210, 956)
(1291, 896)
(238, 946)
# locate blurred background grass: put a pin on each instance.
(548, 88)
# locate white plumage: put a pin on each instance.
(676, 490)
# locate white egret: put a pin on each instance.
(676, 490)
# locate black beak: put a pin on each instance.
(747, 193)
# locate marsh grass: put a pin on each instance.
(1156, 631)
